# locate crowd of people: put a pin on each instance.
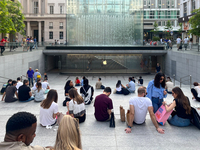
(149, 99)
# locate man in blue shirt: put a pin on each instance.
(35, 43)
(131, 85)
(36, 75)
(29, 75)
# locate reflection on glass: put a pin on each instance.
(104, 22)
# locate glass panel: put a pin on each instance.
(105, 22)
(110, 63)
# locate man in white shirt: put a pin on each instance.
(19, 83)
(138, 110)
(178, 41)
(45, 86)
(185, 43)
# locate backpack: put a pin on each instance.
(38, 76)
(195, 118)
(87, 96)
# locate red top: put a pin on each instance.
(78, 81)
(3, 40)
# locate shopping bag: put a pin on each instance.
(127, 118)
(162, 115)
(122, 114)
(112, 120)
(195, 118)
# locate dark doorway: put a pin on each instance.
(36, 34)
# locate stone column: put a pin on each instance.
(46, 7)
(28, 32)
(39, 32)
(39, 6)
(28, 5)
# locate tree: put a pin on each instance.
(168, 29)
(195, 24)
(11, 17)
(155, 28)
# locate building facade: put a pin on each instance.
(160, 11)
(186, 8)
(45, 19)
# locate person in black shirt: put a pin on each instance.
(69, 85)
(133, 79)
(4, 88)
(24, 92)
(140, 81)
(158, 68)
(182, 109)
(84, 90)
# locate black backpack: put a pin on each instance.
(112, 120)
(195, 118)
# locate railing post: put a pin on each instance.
(21, 78)
(174, 78)
(190, 81)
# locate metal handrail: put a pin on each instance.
(190, 79)
(4, 77)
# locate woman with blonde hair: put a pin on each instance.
(39, 93)
(181, 103)
(49, 109)
(68, 135)
(76, 106)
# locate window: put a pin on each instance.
(61, 9)
(51, 10)
(35, 8)
(168, 4)
(145, 3)
(149, 4)
(163, 23)
(61, 25)
(178, 14)
(51, 35)
(172, 2)
(151, 14)
(50, 25)
(159, 23)
(61, 35)
(193, 5)
(144, 14)
(159, 4)
(185, 9)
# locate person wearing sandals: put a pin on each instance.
(39, 93)
(49, 109)
(182, 115)
(76, 106)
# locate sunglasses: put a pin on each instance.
(162, 79)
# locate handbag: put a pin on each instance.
(112, 120)
(195, 118)
(162, 115)
(122, 114)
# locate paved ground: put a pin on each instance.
(98, 135)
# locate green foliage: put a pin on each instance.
(168, 26)
(155, 38)
(181, 28)
(195, 23)
(168, 29)
(11, 17)
(155, 28)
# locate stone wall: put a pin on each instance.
(182, 64)
(13, 66)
